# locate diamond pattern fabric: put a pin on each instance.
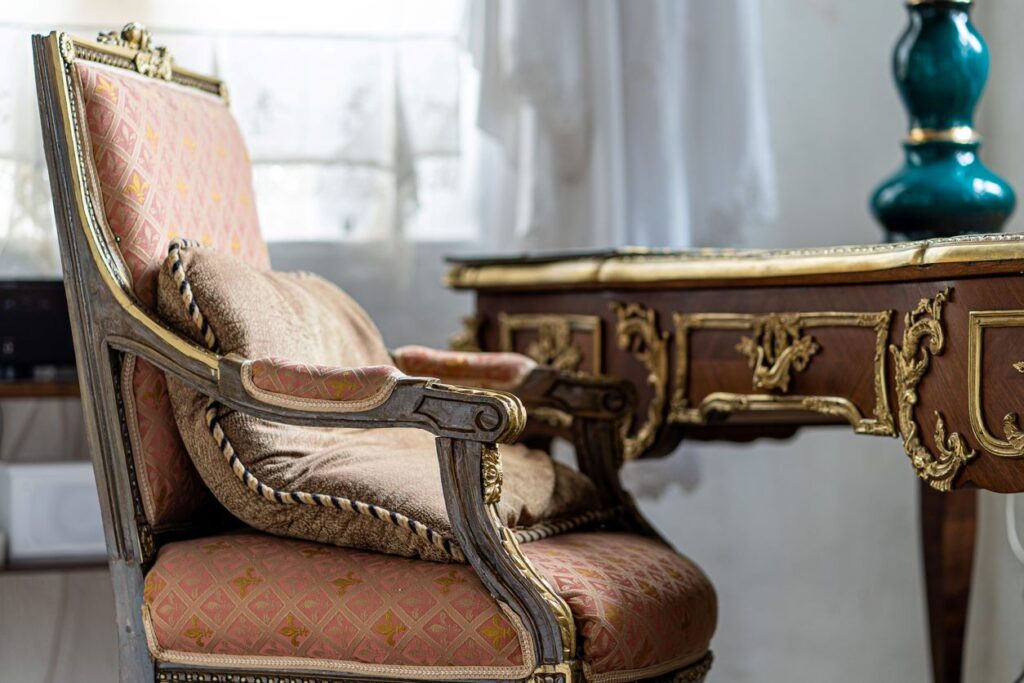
(170, 162)
(251, 600)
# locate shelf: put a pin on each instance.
(30, 389)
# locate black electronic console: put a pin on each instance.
(35, 333)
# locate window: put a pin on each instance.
(351, 110)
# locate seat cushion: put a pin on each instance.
(641, 609)
(306, 319)
(251, 600)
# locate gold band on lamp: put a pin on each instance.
(961, 134)
(935, 2)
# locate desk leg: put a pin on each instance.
(948, 522)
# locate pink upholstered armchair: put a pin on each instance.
(385, 522)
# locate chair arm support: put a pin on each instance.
(419, 402)
(579, 395)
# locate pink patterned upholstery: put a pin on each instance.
(491, 370)
(251, 599)
(258, 597)
(350, 387)
(639, 606)
(171, 489)
(170, 162)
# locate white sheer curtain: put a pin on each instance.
(596, 123)
(615, 122)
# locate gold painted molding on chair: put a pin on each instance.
(66, 50)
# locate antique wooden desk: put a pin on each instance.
(923, 341)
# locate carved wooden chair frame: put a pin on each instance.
(109, 322)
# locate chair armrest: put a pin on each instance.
(537, 386)
(376, 396)
(320, 396)
(489, 370)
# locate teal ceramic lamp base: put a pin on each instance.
(940, 65)
(941, 191)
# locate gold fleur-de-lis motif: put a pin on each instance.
(236, 244)
(221, 152)
(293, 631)
(613, 614)
(197, 633)
(246, 581)
(389, 627)
(154, 584)
(215, 196)
(316, 551)
(446, 582)
(344, 582)
(136, 188)
(675, 574)
(181, 187)
(151, 396)
(105, 87)
(243, 199)
(189, 143)
(648, 589)
(498, 632)
(343, 385)
(206, 240)
(151, 134)
(211, 548)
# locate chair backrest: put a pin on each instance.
(160, 157)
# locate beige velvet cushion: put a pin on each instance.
(304, 318)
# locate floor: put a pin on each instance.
(57, 626)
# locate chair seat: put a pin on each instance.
(250, 600)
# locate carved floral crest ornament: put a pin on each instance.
(923, 337)
(776, 349)
(149, 61)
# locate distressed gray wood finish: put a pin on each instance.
(466, 422)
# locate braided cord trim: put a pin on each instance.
(252, 482)
(560, 526)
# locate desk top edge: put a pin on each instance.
(636, 266)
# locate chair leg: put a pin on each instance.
(948, 524)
